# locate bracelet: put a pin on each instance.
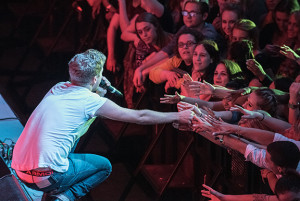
(262, 117)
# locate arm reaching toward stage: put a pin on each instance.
(214, 195)
(143, 116)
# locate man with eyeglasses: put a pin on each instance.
(194, 16)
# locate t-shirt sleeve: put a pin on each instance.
(279, 137)
(93, 103)
(256, 156)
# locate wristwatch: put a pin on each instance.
(292, 106)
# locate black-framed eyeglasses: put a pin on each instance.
(192, 13)
(187, 44)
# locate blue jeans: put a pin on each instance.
(85, 172)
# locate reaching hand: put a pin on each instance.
(186, 117)
(273, 50)
(171, 99)
(247, 113)
(200, 88)
(212, 194)
(187, 106)
(288, 52)
(201, 125)
(256, 68)
(187, 79)
(219, 127)
(172, 77)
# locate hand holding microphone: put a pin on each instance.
(105, 84)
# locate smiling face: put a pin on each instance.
(228, 20)
(146, 31)
(293, 29)
(186, 46)
(221, 76)
(201, 59)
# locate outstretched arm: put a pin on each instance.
(112, 111)
(276, 125)
(217, 196)
(260, 136)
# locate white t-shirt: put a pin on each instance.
(279, 137)
(64, 115)
(258, 156)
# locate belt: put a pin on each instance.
(38, 173)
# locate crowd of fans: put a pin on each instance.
(235, 62)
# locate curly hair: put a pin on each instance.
(84, 66)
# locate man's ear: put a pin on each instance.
(94, 80)
(204, 16)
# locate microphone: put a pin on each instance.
(110, 89)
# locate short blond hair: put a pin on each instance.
(84, 66)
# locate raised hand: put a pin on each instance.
(171, 99)
(256, 68)
(288, 52)
(187, 106)
(212, 194)
(273, 50)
